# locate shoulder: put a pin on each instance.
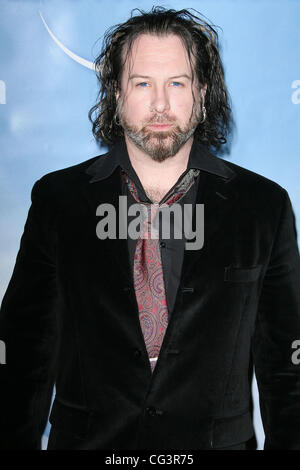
(64, 180)
(261, 199)
(247, 184)
(253, 186)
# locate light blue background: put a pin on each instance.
(45, 96)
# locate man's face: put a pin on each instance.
(156, 107)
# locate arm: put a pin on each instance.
(278, 326)
(28, 328)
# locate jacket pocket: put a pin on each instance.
(244, 274)
(73, 421)
(233, 430)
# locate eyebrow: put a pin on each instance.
(183, 75)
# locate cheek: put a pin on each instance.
(182, 101)
(135, 107)
(183, 108)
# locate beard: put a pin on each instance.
(159, 145)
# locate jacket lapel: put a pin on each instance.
(107, 191)
(219, 199)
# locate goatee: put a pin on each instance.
(159, 145)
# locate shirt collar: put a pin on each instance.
(199, 158)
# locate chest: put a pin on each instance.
(155, 194)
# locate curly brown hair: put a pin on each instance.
(201, 42)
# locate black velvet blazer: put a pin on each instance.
(69, 317)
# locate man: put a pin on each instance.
(151, 341)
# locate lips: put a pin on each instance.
(160, 126)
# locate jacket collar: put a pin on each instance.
(199, 157)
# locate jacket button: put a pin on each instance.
(137, 353)
(187, 290)
(151, 411)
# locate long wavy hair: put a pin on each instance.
(201, 42)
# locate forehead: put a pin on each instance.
(161, 54)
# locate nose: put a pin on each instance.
(159, 99)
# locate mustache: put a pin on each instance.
(160, 119)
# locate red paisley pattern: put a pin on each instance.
(148, 273)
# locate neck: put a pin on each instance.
(155, 175)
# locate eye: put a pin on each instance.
(176, 84)
(143, 84)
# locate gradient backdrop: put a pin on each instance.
(47, 88)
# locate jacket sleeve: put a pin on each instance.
(276, 334)
(28, 331)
